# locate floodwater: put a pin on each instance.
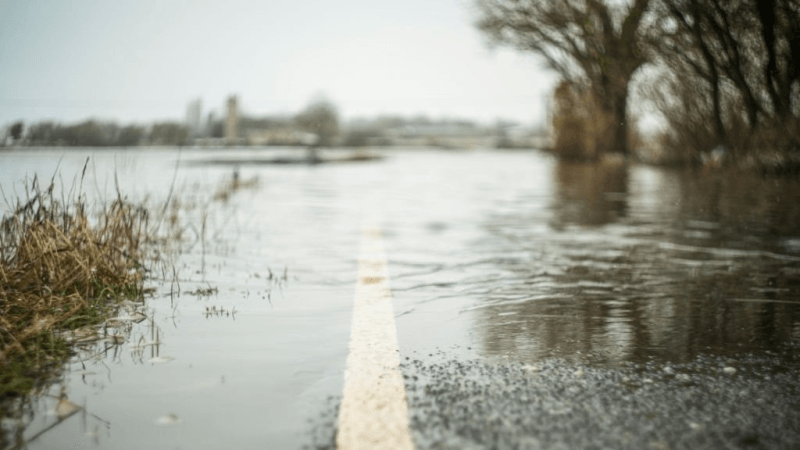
(492, 255)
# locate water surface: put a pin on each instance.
(491, 255)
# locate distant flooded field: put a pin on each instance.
(491, 254)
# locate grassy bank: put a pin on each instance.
(64, 268)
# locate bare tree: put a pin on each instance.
(780, 30)
(688, 50)
(16, 130)
(320, 117)
(591, 41)
(746, 54)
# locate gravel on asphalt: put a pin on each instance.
(744, 402)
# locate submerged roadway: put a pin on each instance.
(438, 401)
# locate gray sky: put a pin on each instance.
(144, 60)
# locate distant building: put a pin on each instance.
(194, 115)
(455, 134)
(273, 131)
(232, 121)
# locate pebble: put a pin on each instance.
(695, 426)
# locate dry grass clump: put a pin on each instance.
(61, 269)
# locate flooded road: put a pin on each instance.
(506, 257)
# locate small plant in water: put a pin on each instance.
(214, 311)
(228, 187)
(204, 292)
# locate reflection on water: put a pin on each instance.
(647, 264)
(589, 195)
(29, 419)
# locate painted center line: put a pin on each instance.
(373, 414)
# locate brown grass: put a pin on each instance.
(62, 268)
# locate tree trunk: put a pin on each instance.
(612, 132)
(712, 76)
(620, 125)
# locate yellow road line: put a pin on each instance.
(373, 414)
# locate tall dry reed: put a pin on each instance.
(62, 267)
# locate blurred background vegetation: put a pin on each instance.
(677, 82)
(722, 78)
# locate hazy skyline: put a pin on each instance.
(145, 60)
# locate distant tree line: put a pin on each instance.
(722, 74)
(321, 118)
(94, 133)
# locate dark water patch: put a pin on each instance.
(288, 160)
(607, 264)
(677, 271)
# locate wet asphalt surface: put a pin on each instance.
(745, 402)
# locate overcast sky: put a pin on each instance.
(143, 60)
